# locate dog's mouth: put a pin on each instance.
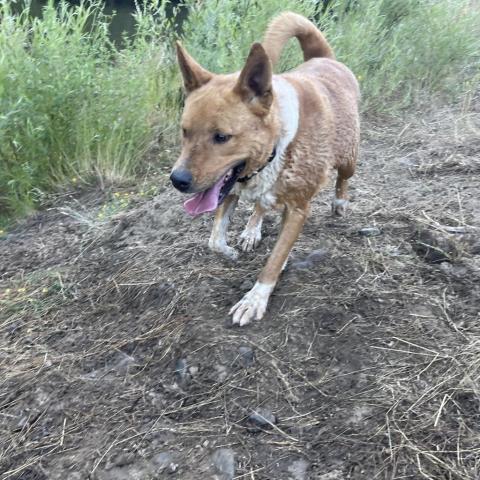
(211, 198)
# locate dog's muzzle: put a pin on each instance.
(181, 180)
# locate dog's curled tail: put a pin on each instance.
(288, 25)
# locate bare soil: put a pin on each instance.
(118, 360)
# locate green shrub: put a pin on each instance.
(219, 34)
(73, 105)
(403, 50)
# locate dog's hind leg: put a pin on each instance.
(340, 201)
(218, 237)
(251, 236)
(254, 303)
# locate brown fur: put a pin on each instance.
(244, 105)
(288, 25)
(224, 105)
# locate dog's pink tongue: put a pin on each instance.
(206, 201)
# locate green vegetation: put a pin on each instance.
(75, 106)
(72, 105)
(402, 50)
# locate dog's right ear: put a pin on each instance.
(255, 82)
(194, 75)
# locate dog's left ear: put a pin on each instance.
(255, 82)
(194, 75)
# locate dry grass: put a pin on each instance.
(369, 359)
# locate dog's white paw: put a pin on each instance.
(339, 207)
(250, 238)
(224, 249)
(253, 305)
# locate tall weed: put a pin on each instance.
(219, 34)
(401, 50)
(405, 50)
(73, 104)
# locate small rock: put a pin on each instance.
(302, 265)
(317, 255)
(370, 232)
(453, 270)
(333, 475)
(262, 418)
(181, 370)
(434, 247)
(120, 460)
(163, 461)
(222, 373)
(298, 469)
(246, 356)
(312, 259)
(122, 363)
(224, 462)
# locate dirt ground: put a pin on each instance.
(117, 359)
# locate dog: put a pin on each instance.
(268, 139)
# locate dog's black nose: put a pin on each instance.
(181, 179)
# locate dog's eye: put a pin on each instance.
(221, 138)
(184, 132)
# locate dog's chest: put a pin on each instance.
(261, 188)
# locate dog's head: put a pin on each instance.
(228, 127)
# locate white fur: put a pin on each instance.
(261, 186)
(339, 206)
(218, 237)
(253, 304)
(251, 235)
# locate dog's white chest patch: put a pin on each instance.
(261, 187)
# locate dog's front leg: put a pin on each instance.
(254, 303)
(218, 237)
(252, 234)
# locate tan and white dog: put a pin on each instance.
(269, 139)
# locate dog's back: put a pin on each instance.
(326, 87)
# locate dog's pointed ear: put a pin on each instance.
(194, 75)
(255, 82)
